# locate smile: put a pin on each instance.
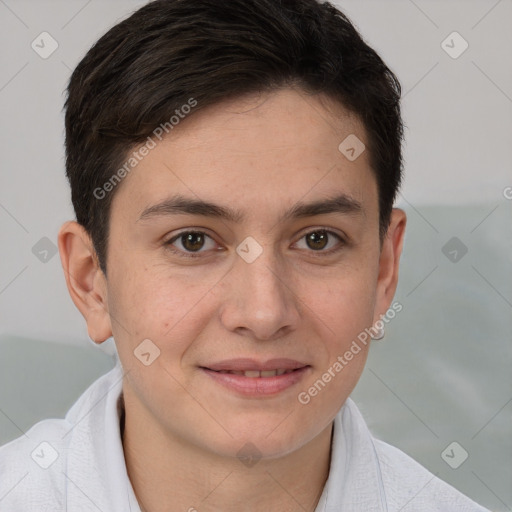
(248, 378)
(256, 373)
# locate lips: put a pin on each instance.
(252, 378)
(257, 373)
(251, 366)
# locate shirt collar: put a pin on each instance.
(354, 481)
(97, 425)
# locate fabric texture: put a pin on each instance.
(77, 464)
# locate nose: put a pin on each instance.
(258, 299)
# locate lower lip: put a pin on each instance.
(258, 386)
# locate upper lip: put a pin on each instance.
(247, 364)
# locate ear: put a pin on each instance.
(389, 262)
(85, 280)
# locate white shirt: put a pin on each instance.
(81, 467)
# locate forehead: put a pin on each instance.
(276, 148)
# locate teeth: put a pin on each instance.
(252, 373)
(255, 373)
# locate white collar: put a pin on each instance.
(89, 472)
(99, 430)
(356, 481)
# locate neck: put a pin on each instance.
(168, 475)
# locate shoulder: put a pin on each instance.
(37, 469)
(410, 487)
(387, 477)
(32, 468)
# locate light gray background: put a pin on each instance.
(442, 373)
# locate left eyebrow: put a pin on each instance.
(338, 204)
(179, 204)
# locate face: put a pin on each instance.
(279, 269)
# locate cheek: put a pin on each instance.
(344, 302)
(159, 304)
(343, 314)
(342, 308)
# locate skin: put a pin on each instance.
(260, 155)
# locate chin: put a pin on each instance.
(268, 439)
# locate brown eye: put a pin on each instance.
(317, 240)
(192, 241)
(322, 241)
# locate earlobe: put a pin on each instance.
(85, 281)
(389, 262)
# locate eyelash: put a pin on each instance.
(198, 254)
